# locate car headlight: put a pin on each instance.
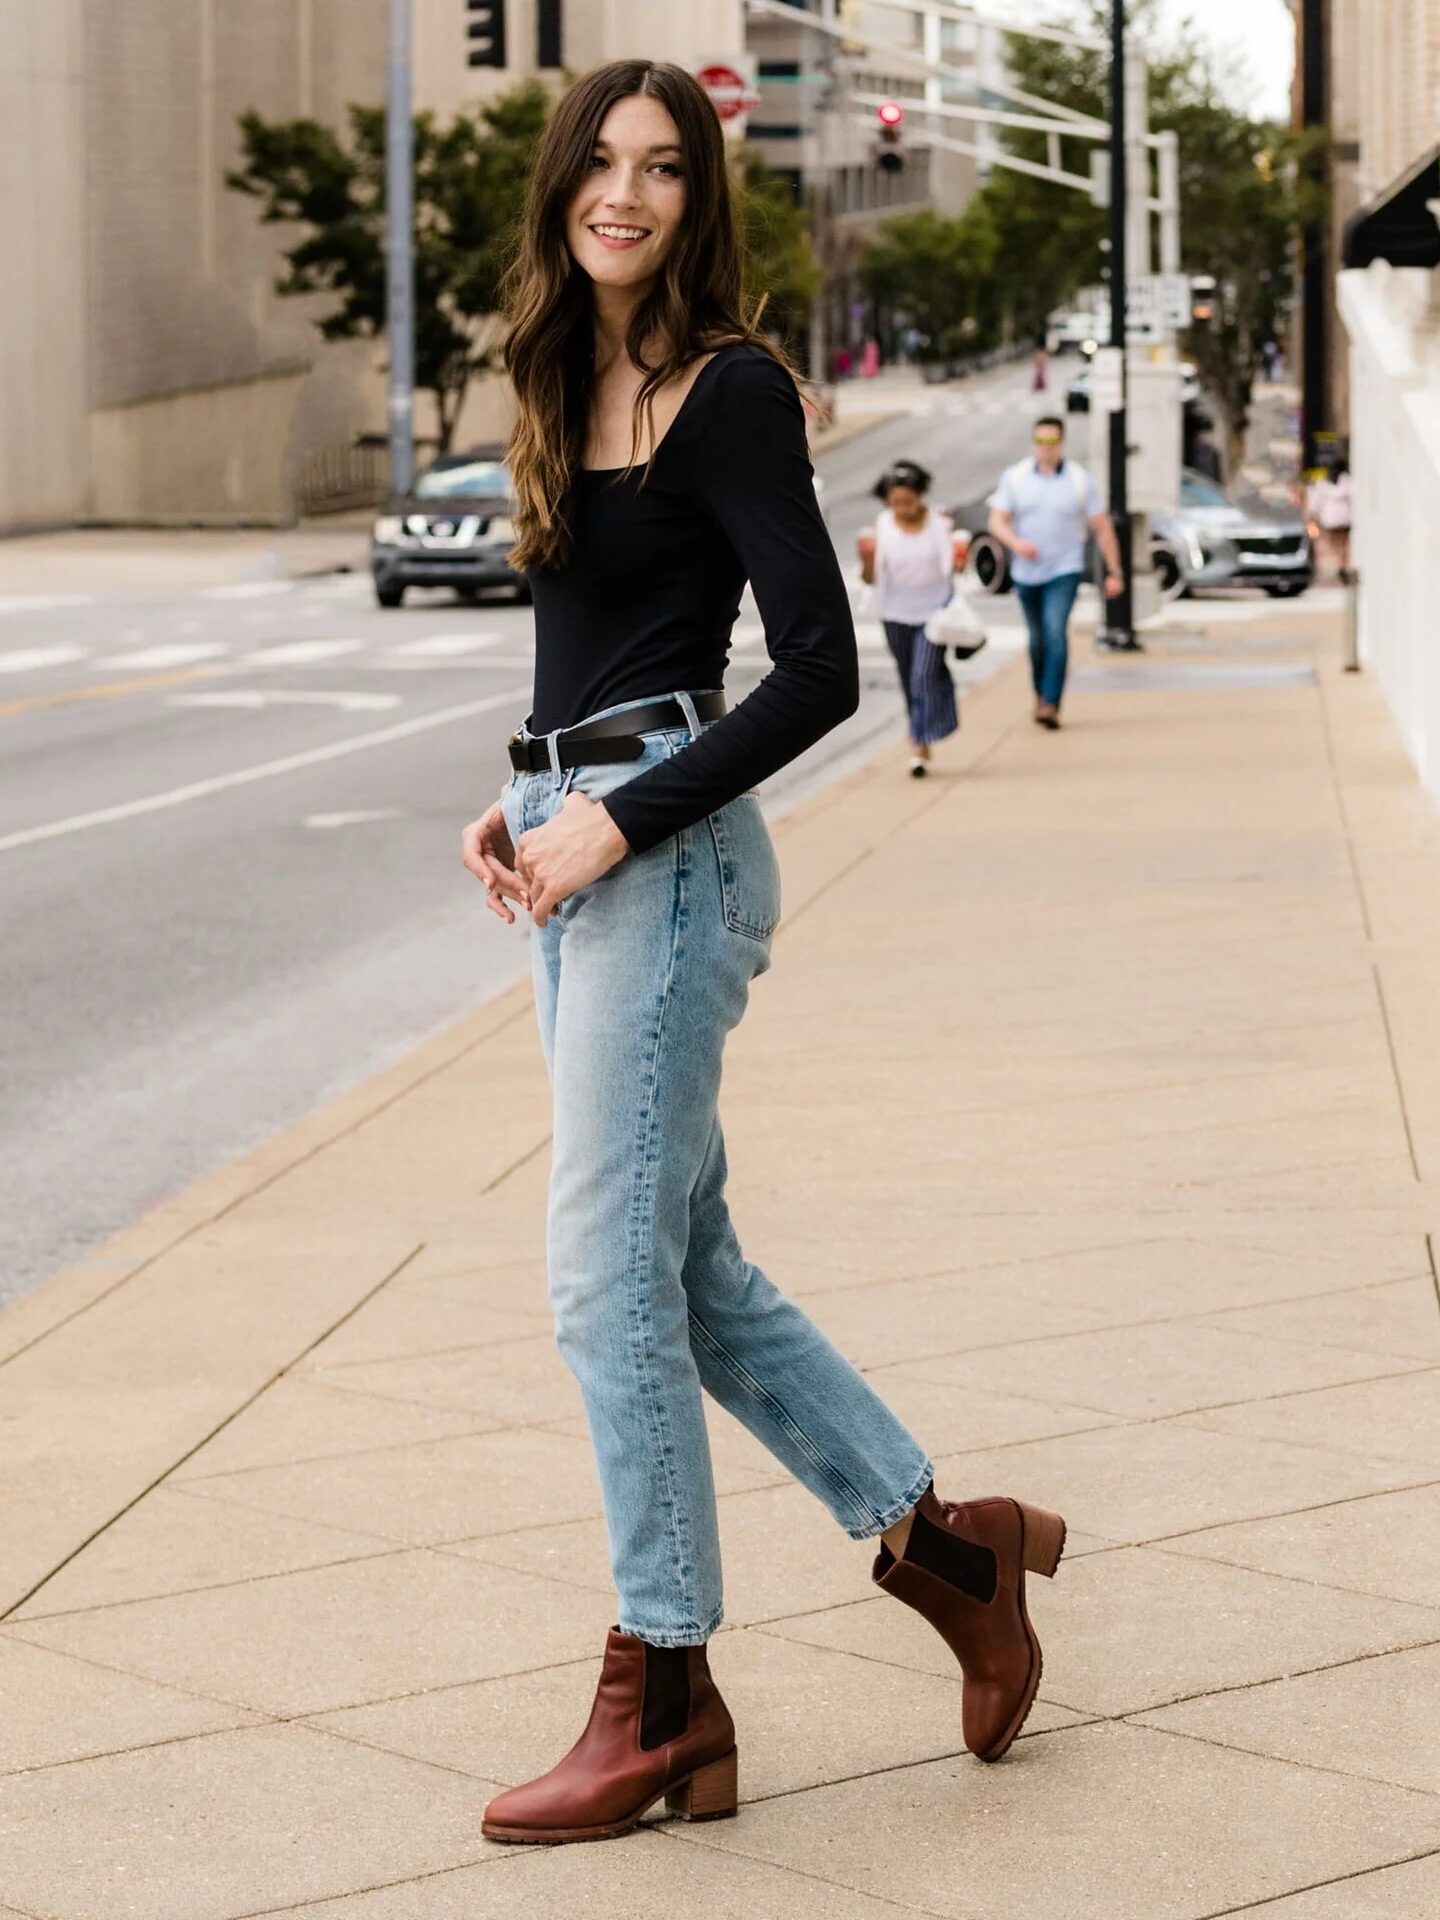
(389, 530)
(500, 528)
(1193, 549)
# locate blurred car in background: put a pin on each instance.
(1211, 540)
(1077, 393)
(454, 529)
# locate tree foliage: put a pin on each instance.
(938, 271)
(1246, 186)
(470, 177)
(780, 265)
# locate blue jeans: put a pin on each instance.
(638, 979)
(1047, 615)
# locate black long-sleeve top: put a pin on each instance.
(645, 604)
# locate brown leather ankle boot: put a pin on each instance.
(658, 1725)
(964, 1569)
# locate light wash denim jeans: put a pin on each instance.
(638, 979)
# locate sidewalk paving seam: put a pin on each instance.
(1313, 1886)
(191, 1451)
(1289, 1513)
(1395, 1072)
(1288, 1760)
(280, 1172)
(1279, 1679)
(686, 1834)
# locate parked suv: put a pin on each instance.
(453, 530)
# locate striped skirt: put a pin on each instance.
(925, 682)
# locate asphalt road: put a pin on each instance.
(229, 875)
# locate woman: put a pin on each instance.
(913, 568)
(1328, 507)
(659, 458)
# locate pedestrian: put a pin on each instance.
(870, 359)
(659, 459)
(1038, 377)
(911, 565)
(1328, 507)
(1040, 511)
(844, 361)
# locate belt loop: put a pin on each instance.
(552, 743)
(687, 707)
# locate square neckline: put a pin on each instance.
(641, 465)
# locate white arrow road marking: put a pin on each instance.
(180, 654)
(254, 698)
(266, 770)
(324, 822)
(302, 653)
(22, 659)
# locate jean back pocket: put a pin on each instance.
(749, 872)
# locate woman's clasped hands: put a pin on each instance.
(573, 848)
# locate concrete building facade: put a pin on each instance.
(148, 370)
(1389, 302)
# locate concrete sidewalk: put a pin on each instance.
(1093, 1105)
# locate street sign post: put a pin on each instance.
(1156, 304)
(731, 92)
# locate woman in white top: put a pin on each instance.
(1327, 505)
(912, 569)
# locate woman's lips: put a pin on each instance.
(613, 240)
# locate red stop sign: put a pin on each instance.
(730, 92)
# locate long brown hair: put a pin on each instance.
(696, 305)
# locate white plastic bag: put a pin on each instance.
(956, 625)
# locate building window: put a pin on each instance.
(779, 70)
(759, 131)
(547, 34)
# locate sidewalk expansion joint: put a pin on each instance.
(220, 1427)
(1314, 1886)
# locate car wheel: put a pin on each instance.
(1168, 573)
(990, 563)
(389, 596)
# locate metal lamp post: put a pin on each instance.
(400, 248)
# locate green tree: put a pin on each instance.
(780, 265)
(1246, 186)
(937, 271)
(469, 191)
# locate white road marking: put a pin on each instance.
(23, 659)
(181, 654)
(302, 653)
(254, 698)
(442, 646)
(247, 590)
(325, 822)
(38, 602)
(266, 770)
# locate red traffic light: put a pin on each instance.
(891, 114)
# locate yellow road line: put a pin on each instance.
(110, 690)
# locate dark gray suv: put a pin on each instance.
(453, 530)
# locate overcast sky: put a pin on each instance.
(1255, 39)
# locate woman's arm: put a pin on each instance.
(753, 474)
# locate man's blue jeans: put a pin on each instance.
(1047, 615)
(638, 979)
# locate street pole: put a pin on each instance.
(1119, 628)
(400, 249)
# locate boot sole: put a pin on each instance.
(1043, 1542)
(709, 1793)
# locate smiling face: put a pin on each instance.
(627, 210)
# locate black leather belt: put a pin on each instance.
(615, 737)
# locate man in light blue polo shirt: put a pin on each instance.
(1041, 511)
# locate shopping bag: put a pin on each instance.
(956, 625)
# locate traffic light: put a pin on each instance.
(486, 33)
(889, 155)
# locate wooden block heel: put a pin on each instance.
(1044, 1539)
(711, 1793)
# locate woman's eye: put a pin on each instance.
(597, 160)
(668, 167)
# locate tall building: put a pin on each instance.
(1383, 62)
(148, 369)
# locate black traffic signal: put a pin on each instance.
(485, 32)
(889, 154)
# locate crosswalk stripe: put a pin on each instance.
(302, 653)
(22, 659)
(177, 655)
